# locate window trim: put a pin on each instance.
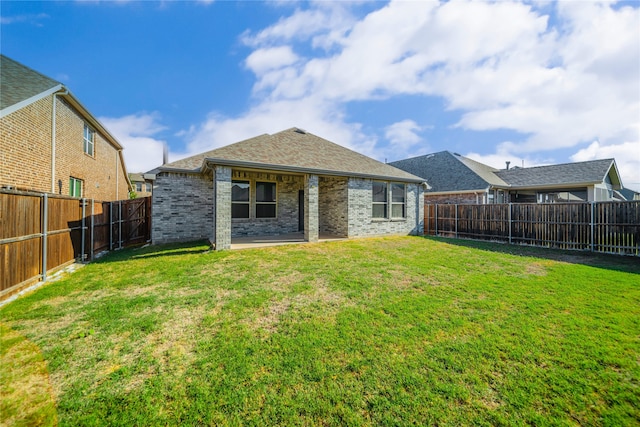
(72, 186)
(275, 203)
(248, 202)
(403, 203)
(88, 130)
(385, 203)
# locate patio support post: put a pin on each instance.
(222, 209)
(311, 223)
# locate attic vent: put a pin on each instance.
(302, 131)
(457, 154)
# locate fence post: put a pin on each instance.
(436, 215)
(119, 224)
(110, 226)
(510, 222)
(82, 227)
(456, 220)
(592, 225)
(45, 220)
(93, 202)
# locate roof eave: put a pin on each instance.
(301, 170)
(19, 105)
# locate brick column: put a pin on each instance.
(222, 207)
(311, 208)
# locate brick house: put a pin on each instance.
(275, 185)
(141, 184)
(454, 178)
(49, 142)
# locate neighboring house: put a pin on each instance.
(454, 178)
(49, 142)
(142, 184)
(629, 194)
(288, 182)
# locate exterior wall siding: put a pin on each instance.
(333, 210)
(182, 207)
(25, 153)
(362, 224)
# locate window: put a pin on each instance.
(265, 199)
(148, 187)
(138, 186)
(398, 206)
(88, 140)
(240, 199)
(379, 195)
(75, 187)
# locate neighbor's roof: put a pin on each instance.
(293, 150)
(446, 171)
(19, 83)
(591, 172)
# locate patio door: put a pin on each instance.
(300, 210)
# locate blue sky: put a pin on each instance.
(532, 82)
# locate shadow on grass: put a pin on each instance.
(628, 264)
(157, 251)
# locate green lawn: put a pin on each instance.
(389, 331)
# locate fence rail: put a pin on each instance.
(42, 232)
(606, 227)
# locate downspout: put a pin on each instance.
(53, 140)
(118, 153)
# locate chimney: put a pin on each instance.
(165, 153)
(508, 163)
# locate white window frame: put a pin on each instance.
(72, 186)
(403, 203)
(89, 138)
(385, 203)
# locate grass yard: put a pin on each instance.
(389, 331)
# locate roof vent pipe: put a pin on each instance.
(165, 153)
(508, 163)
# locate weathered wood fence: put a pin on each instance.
(607, 227)
(40, 233)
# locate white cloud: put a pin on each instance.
(267, 59)
(142, 152)
(627, 155)
(503, 65)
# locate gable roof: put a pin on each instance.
(447, 171)
(19, 83)
(293, 150)
(579, 173)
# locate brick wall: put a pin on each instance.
(333, 210)
(25, 153)
(361, 222)
(286, 221)
(182, 207)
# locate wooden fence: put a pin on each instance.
(40, 233)
(607, 227)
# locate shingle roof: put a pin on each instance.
(294, 150)
(446, 171)
(19, 82)
(594, 171)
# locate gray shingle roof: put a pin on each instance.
(446, 171)
(594, 171)
(19, 82)
(294, 150)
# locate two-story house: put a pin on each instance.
(49, 142)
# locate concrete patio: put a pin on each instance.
(277, 240)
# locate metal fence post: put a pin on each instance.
(82, 228)
(119, 224)
(436, 215)
(110, 226)
(592, 226)
(45, 220)
(456, 220)
(93, 202)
